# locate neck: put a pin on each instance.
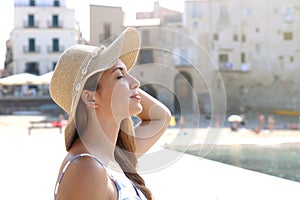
(100, 137)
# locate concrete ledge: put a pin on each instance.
(192, 177)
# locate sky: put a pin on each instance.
(81, 8)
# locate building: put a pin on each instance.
(104, 22)
(239, 54)
(160, 29)
(255, 45)
(8, 63)
(185, 82)
(161, 70)
(43, 30)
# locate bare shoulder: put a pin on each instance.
(85, 178)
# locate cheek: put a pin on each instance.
(120, 99)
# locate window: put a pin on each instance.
(107, 31)
(244, 38)
(224, 12)
(223, 58)
(288, 14)
(146, 56)
(30, 21)
(216, 36)
(288, 36)
(235, 37)
(146, 37)
(243, 57)
(180, 57)
(55, 21)
(258, 48)
(196, 11)
(31, 2)
(32, 68)
(224, 61)
(195, 25)
(55, 45)
(56, 3)
(247, 12)
(54, 65)
(183, 59)
(31, 45)
(280, 57)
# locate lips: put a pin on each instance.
(136, 96)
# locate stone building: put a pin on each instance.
(104, 22)
(165, 66)
(238, 54)
(255, 45)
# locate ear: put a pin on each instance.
(88, 98)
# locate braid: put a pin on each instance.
(125, 156)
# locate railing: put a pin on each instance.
(28, 49)
(28, 24)
(51, 24)
(51, 49)
(228, 66)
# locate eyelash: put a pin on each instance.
(119, 77)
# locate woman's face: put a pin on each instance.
(118, 94)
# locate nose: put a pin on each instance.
(134, 83)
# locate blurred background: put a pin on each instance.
(245, 53)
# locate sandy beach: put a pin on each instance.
(218, 136)
(225, 136)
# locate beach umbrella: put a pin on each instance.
(234, 118)
(44, 78)
(18, 79)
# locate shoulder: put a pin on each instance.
(85, 178)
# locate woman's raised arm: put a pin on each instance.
(155, 119)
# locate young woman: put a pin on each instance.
(93, 85)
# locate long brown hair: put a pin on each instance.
(125, 156)
(125, 148)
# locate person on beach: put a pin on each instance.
(93, 85)
(261, 124)
(271, 123)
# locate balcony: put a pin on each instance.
(31, 49)
(53, 24)
(54, 49)
(30, 24)
(225, 65)
(228, 66)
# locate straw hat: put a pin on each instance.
(79, 62)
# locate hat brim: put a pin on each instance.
(126, 47)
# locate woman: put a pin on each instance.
(93, 86)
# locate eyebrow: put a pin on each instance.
(120, 68)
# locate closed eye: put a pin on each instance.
(119, 77)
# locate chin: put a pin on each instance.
(136, 110)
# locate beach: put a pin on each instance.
(224, 136)
(30, 163)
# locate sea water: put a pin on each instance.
(281, 160)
